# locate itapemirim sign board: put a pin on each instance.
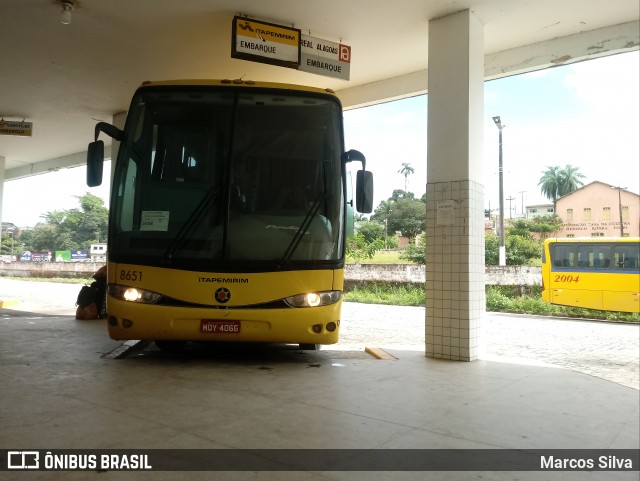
(274, 44)
(265, 42)
(23, 129)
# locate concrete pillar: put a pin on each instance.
(455, 296)
(2, 164)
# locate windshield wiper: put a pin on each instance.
(295, 242)
(194, 219)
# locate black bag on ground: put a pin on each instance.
(86, 296)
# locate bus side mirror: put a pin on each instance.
(95, 152)
(95, 161)
(364, 182)
(364, 191)
(350, 207)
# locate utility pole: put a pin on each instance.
(502, 254)
(522, 192)
(510, 199)
(620, 209)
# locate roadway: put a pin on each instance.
(606, 350)
(66, 385)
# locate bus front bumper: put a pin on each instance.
(311, 325)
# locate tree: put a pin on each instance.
(403, 213)
(41, 238)
(75, 228)
(408, 216)
(70, 229)
(546, 225)
(9, 243)
(549, 183)
(521, 250)
(406, 170)
(556, 182)
(492, 249)
(541, 225)
(416, 253)
(359, 249)
(401, 194)
(371, 231)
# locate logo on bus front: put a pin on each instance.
(223, 295)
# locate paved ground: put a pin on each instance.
(605, 350)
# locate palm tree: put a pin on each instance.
(549, 183)
(570, 180)
(556, 182)
(406, 170)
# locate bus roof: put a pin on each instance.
(592, 239)
(237, 83)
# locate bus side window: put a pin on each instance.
(585, 256)
(565, 256)
(626, 257)
(601, 256)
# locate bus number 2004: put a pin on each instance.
(566, 278)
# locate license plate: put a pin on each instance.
(210, 326)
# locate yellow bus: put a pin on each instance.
(229, 209)
(595, 273)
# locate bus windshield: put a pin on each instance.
(229, 180)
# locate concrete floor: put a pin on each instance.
(62, 387)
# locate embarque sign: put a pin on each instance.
(23, 129)
(325, 58)
(265, 42)
(286, 47)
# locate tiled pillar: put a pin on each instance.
(455, 296)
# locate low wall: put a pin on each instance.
(415, 274)
(399, 273)
(76, 270)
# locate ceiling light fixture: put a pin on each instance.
(67, 8)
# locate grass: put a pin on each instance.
(386, 293)
(382, 257)
(499, 299)
(505, 299)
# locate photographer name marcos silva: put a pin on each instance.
(607, 463)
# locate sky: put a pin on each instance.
(584, 114)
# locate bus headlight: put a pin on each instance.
(314, 299)
(133, 294)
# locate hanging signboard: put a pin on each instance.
(23, 129)
(325, 58)
(265, 42)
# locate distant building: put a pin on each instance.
(98, 252)
(596, 210)
(9, 228)
(541, 210)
